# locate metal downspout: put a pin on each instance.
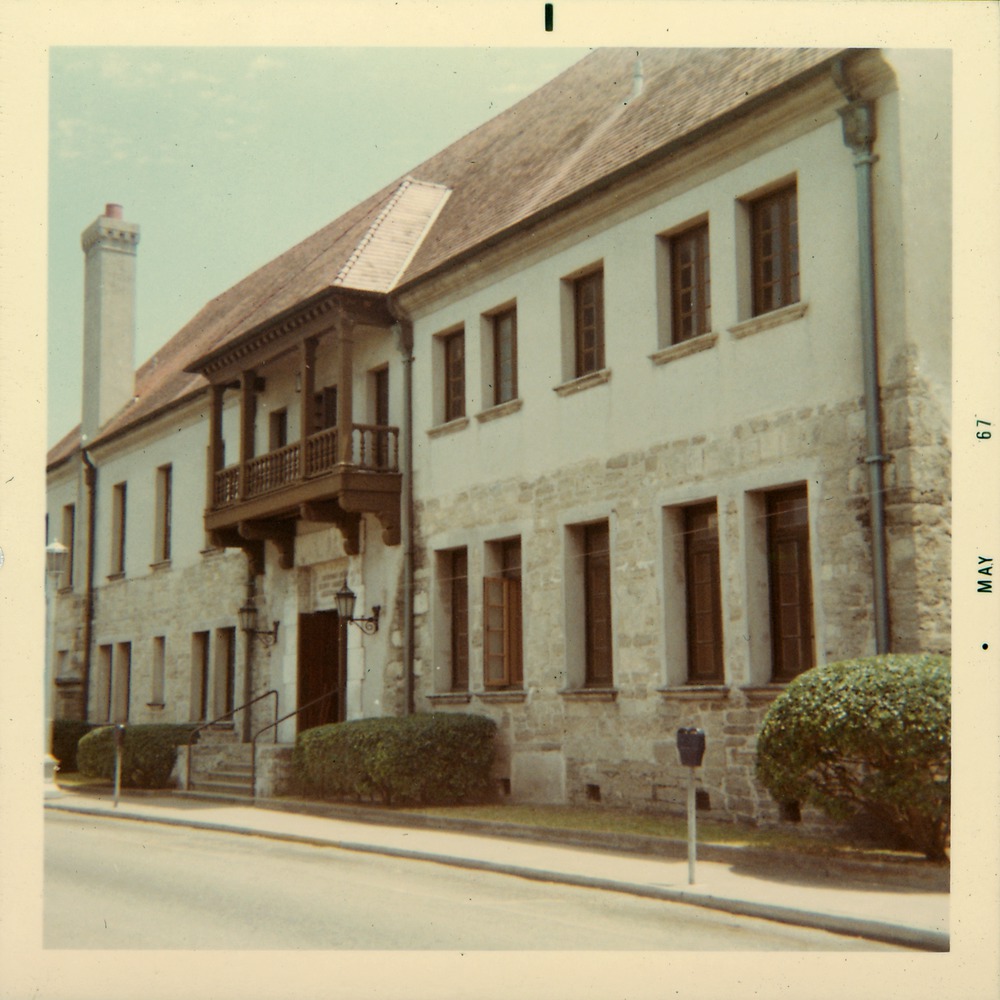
(858, 120)
(405, 330)
(248, 657)
(90, 479)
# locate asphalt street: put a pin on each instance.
(121, 884)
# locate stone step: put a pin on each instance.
(222, 788)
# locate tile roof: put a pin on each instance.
(575, 131)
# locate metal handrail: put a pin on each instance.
(222, 718)
(274, 725)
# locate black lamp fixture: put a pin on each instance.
(248, 623)
(345, 599)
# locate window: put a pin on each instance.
(457, 562)
(504, 356)
(118, 529)
(277, 430)
(775, 250)
(597, 604)
(454, 375)
(588, 322)
(502, 655)
(122, 682)
(225, 671)
(68, 539)
(199, 676)
(102, 707)
(703, 594)
(325, 409)
(789, 583)
(690, 287)
(164, 501)
(159, 670)
(380, 393)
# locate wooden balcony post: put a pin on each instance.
(345, 386)
(214, 439)
(248, 412)
(307, 364)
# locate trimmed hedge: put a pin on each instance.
(66, 734)
(148, 754)
(438, 758)
(867, 738)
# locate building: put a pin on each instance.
(623, 410)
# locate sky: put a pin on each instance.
(226, 157)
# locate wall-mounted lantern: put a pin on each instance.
(345, 599)
(248, 623)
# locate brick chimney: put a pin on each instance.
(109, 247)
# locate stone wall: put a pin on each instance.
(558, 744)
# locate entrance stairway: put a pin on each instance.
(221, 764)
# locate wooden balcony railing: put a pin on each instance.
(374, 448)
(273, 470)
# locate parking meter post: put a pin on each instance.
(692, 827)
(691, 750)
(119, 742)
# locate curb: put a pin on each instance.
(898, 871)
(874, 930)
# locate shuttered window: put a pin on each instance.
(502, 657)
(458, 589)
(790, 585)
(588, 299)
(690, 284)
(454, 372)
(704, 594)
(775, 225)
(597, 604)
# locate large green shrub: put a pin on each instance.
(66, 734)
(431, 758)
(868, 738)
(148, 753)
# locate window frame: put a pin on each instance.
(201, 646)
(277, 429)
(159, 672)
(784, 288)
(69, 540)
(695, 238)
(119, 512)
(162, 542)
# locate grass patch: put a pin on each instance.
(75, 781)
(622, 821)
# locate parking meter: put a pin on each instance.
(691, 746)
(691, 750)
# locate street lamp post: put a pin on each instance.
(56, 555)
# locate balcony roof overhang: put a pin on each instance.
(313, 316)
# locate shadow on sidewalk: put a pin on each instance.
(915, 876)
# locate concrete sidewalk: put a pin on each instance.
(910, 916)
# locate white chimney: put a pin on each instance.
(109, 247)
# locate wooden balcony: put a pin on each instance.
(263, 497)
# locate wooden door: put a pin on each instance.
(320, 670)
